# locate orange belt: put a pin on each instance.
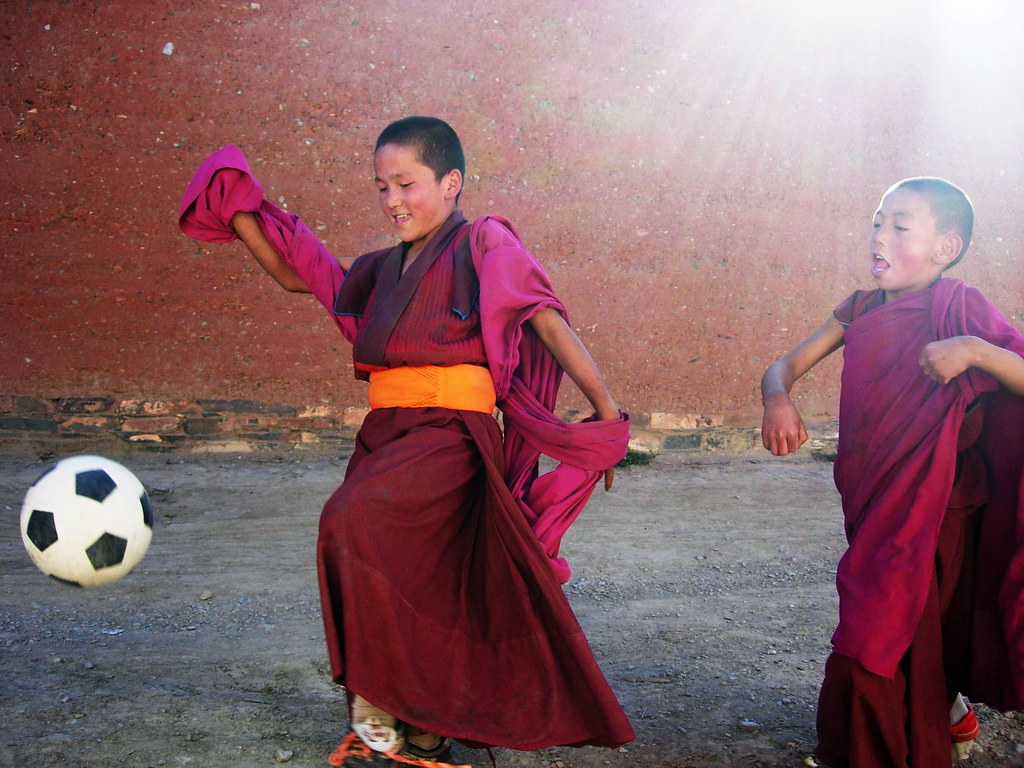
(459, 387)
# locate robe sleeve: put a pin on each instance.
(856, 304)
(222, 187)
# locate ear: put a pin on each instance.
(452, 184)
(949, 249)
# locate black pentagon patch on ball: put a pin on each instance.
(94, 484)
(108, 550)
(41, 529)
(147, 510)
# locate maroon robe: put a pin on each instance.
(429, 569)
(895, 471)
(440, 604)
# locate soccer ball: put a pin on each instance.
(87, 521)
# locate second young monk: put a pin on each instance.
(929, 468)
(438, 555)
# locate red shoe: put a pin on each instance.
(967, 729)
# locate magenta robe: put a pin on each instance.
(437, 556)
(894, 470)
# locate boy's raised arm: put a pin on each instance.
(782, 428)
(259, 246)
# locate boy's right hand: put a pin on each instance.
(782, 428)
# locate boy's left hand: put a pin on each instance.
(946, 359)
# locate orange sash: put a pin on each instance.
(459, 387)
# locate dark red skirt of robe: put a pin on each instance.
(440, 606)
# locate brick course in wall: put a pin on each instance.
(235, 425)
(84, 423)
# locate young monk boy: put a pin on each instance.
(437, 556)
(929, 471)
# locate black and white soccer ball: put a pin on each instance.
(87, 521)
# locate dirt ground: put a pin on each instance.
(705, 586)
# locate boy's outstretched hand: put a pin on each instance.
(782, 428)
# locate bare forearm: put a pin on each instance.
(1005, 366)
(259, 246)
(595, 390)
(574, 358)
(585, 374)
(782, 428)
(777, 380)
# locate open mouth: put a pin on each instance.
(878, 265)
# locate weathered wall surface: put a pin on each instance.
(698, 177)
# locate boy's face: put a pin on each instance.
(412, 198)
(908, 252)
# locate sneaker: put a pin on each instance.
(441, 752)
(354, 753)
(963, 733)
(967, 729)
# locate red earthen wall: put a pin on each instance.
(698, 177)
